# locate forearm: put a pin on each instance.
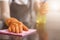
(5, 10)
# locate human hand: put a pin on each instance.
(15, 25)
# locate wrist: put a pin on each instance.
(10, 21)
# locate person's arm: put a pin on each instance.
(5, 10)
(13, 24)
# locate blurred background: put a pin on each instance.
(53, 19)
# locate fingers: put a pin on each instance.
(25, 28)
(13, 28)
(16, 28)
(20, 29)
(9, 29)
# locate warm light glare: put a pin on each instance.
(54, 5)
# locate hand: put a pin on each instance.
(15, 25)
(41, 8)
(44, 8)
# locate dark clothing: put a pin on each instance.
(22, 13)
